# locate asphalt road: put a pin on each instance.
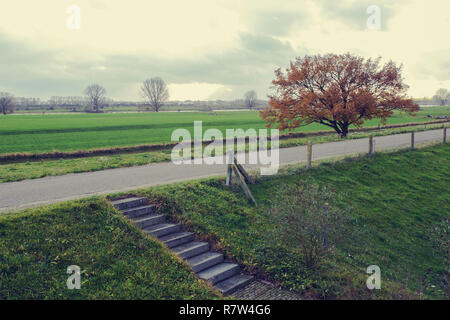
(28, 193)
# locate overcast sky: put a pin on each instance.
(209, 49)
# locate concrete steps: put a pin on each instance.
(139, 212)
(162, 229)
(209, 266)
(205, 260)
(176, 239)
(149, 220)
(124, 204)
(191, 249)
(219, 272)
(234, 283)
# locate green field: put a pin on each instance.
(69, 132)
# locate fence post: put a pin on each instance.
(412, 140)
(444, 138)
(371, 149)
(247, 191)
(309, 155)
(243, 172)
(230, 156)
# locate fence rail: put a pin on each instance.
(371, 151)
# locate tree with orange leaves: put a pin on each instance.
(337, 91)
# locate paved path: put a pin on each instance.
(259, 290)
(21, 194)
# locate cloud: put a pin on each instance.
(250, 65)
(32, 71)
(24, 67)
(232, 43)
(354, 14)
(277, 23)
(437, 66)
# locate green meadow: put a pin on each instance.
(70, 132)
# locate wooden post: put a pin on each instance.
(371, 149)
(309, 155)
(247, 192)
(230, 156)
(444, 137)
(412, 140)
(243, 172)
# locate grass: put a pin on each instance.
(397, 199)
(21, 170)
(70, 132)
(17, 171)
(117, 260)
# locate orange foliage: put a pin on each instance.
(336, 91)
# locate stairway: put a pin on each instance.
(208, 265)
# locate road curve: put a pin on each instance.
(28, 193)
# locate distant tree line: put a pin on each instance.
(154, 92)
(89, 103)
(442, 97)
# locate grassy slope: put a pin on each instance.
(397, 198)
(117, 261)
(68, 132)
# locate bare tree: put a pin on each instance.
(6, 103)
(250, 99)
(155, 91)
(96, 96)
(442, 96)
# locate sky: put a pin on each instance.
(210, 49)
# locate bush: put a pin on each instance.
(305, 220)
(441, 240)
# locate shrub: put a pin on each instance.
(306, 220)
(441, 238)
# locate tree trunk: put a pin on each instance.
(344, 131)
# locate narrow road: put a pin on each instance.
(28, 193)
